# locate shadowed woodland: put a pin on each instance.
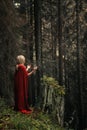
(53, 36)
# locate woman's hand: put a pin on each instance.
(28, 67)
(35, 68)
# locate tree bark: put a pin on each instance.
(38, 42)
(60, 43)
(79, 106)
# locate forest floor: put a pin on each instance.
(11, 120)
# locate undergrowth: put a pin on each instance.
(11, 120)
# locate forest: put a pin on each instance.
(53, 36)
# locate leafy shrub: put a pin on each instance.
(51, 82)
(11, 120)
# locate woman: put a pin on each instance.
(21, 85)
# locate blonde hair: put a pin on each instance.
(20, 59)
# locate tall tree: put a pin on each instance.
(60, 42)
(79, 109)
(7, 41)
(54, 40)
(31, 30)
(38, 42)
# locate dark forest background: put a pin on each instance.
(53, 36)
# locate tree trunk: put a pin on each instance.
(53, 42)
(38, 43)
(60, 43)
(79, 104)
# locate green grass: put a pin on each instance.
(11, 120)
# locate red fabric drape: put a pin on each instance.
(21, 88)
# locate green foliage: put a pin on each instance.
(9, 119)
(51, 82)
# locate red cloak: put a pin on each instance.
(21, 88)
